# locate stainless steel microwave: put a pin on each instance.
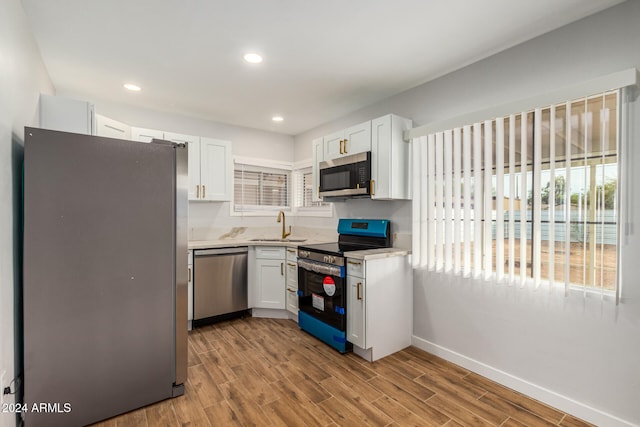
(347, 176)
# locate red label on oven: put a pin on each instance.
(329, 286)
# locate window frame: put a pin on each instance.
(437, 262)
(326, 210)
(262, 210)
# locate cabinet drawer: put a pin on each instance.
(292, 254)
(355, 267)
(270, 252)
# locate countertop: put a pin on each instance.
(377, 253)
(234, 243)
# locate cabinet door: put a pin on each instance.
(292, 284)
(216, 169)
(292, 300)
(146, 135)
(333, 145)
(317, 157)
(356, 321)
(357, 138)
(381, 157)
(193, 144)
(270, 287)
(390, 158)
(112, 128)
(292, 275)
(66, 114)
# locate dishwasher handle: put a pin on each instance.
(221, 251)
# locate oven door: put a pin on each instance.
(321, 292)
(346, 176)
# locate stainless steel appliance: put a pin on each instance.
(105, 275)
(322, 271)
(219, 283)
(347, 176)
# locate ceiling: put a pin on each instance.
(322, 59)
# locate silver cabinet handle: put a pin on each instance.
(358, 290)
(282, 268)
(204, 192)
(197, 191)
(290, 264)
(354, 262)
(189, 279)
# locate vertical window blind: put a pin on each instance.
(304, 188)
(526, 198)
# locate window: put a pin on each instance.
(530, 197)
(303, 200)
(258, 188)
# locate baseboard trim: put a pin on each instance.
(542, 394)
(269, 313)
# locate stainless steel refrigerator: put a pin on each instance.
(105, 276)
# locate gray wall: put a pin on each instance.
(22, 77)
(583, 350)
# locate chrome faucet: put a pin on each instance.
(284, 227)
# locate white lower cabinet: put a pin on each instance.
(269, 278)
(292, 280)
(379, 305)
(190, 290)
(356, 311)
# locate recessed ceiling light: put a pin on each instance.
(253, 58)
(277, 119)
(132, 87)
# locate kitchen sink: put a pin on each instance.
(278, 240)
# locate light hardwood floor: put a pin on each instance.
(267, 372)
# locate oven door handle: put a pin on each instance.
(317, 267)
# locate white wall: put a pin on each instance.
(22, 77)
(580, 355)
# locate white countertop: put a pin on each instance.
(377, 253)
(234, 243)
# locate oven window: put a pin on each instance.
(323, 297)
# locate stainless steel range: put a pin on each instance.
(322, 296)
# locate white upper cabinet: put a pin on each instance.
(146, 135)
(390, 155)
(112, 128)
(193, 144)
(390, 158)
(355, 139)
(66, 114)
(317, 157)
(211, 177)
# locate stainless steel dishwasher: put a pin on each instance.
(219, 284)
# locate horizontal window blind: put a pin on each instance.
(528, 198)
(257, 188)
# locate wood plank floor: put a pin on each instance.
(267, 372)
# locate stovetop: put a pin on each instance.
(354, 235)
(334, 248)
